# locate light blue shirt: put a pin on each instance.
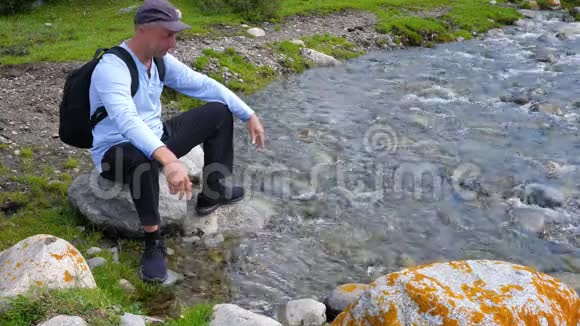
(138, 119)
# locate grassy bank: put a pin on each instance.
(33, 201)
(72, 30)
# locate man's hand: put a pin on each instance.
(177, 179)
(175, 172)
(256, 131)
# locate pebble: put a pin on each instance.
(115, 253)
(96, 262)
(213, 240)
(94, 250)
(132, 320)
(127, 286)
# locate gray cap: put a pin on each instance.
(161, 12)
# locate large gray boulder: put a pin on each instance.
(42, 261)
(109, 205)
(319, 59)
(229, 314)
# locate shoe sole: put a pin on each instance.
(152, 280)
(211, 209)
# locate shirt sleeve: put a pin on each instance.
(112, 83)
(185, 80)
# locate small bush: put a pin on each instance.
(11, 7)
(213, 6)
(251, 10)
(256, 10)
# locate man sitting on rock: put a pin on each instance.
(132, 144)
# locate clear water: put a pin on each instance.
(401, 158)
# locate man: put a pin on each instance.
(132, 144)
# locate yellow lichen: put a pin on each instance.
(67, 277)
(348, 288)
(461, 266)
(554, 305)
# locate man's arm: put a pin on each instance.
(191, 83)
(112, 82)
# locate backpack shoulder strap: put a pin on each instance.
(160, 63)
(128, 59)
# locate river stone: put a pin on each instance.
(94, 250)
(109, 205)
(194, 162)
(64, 320)
(341, 297)
(546, 56)
(127, 286)
(547, 108)
(496, 32)
(114, 212)
(249, 215)
(96, 262)
(533, 5)
(319, 59)
(303, 312)
(132, 320)
(481, 292)
(574, 11)
(569, 31)
(256, 32)
(531, 219)
(229, 314)
(214, 240)
(540, 195)
(298, 42)
(42, 260)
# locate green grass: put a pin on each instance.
(71, 163)
(293, 62)
(40, 206)
(253, 77)
(77, 30)
(335, 46)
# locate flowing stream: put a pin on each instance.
(408, 157)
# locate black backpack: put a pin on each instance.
(76, 127)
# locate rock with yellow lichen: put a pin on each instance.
(341, 297)
(42, 261)
(473, 292)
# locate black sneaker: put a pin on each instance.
(208, 203)
(153, 263)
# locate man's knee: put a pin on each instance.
(222, 111)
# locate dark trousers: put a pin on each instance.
(210, 124)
